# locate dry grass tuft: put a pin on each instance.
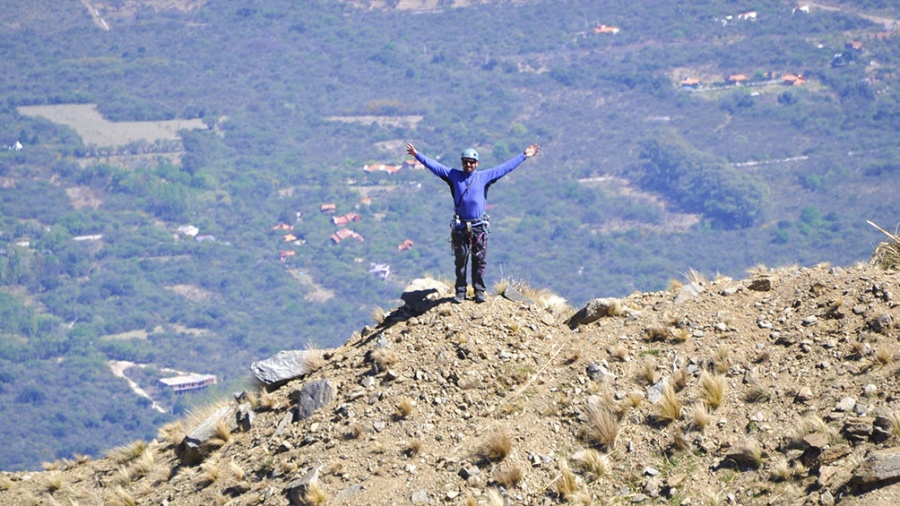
(656, 333)
(758, 393)
(508, 475)
(121, 498)
(236, 470)
(602, 426)
(128, 452)
(887, 255)
(681, 335)
(171, 433)
(674, 285)
(405, 408)
(143, 465)
(619, 352)
(315, 495)
(648, 371)
(223, 431)
(313, 359)
(634, 399)
(494, 498)
(679, 379)
(5, 483)
(378, 314)
(780, 470)
(884, 356)
(810, 424)
(210, 471)
(496, 446)
(566, 484)
(412, 447)
(713, 389)
(894, 417)
(692, 276)
(355, 431)
(383, 358)
(593, 462)
(54, 482)
(758, 270)
(668, 409)
(700, 416)
(721, 360)
(501, 286)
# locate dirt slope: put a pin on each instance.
(424, 404)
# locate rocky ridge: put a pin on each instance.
(779, 388)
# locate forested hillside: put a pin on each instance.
(673, 138)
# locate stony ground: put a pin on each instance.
(506, 403)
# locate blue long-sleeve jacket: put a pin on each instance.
(470, 190)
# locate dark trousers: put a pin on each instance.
(470, 243)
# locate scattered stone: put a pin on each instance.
(196, 445)
(298, 488)
(804, 395)
(593, 311)
(516, 296)
(761, 285)
(599, 373)
(845, 404)
(282, 367)
(857, 430)
(348, 493)
(810, 320)
(881, 324)
(879, 466)
(312, 397)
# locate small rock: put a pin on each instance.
(419, 497)
(761, 285)
(845, 404)
(810, 321)
(870, 390)
(803, 395)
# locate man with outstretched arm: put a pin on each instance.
(470, 225)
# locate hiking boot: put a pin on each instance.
(479, 297)
(459, 298)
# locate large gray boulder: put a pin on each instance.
(312, 397)
(423, 294)
(593, 311)
(282, 367)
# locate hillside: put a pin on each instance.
(164, 166)
(785, 391)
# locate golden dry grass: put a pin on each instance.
(566, 484)
(355, 431)
(236, 470)
(602, 426)
(680, 335)
(508, 475)
(378, 314)
(648, 371)
(405, 408)
(712, 389)
(594, 463)
(315, 495)
(668, 408)
(383, 358)
(121, 498)
(700, 416)
(619, 351)
(496, 446)
(721, 359)
(128, 452)
(887, 255)
(413, 447)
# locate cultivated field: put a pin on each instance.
(95, 129)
